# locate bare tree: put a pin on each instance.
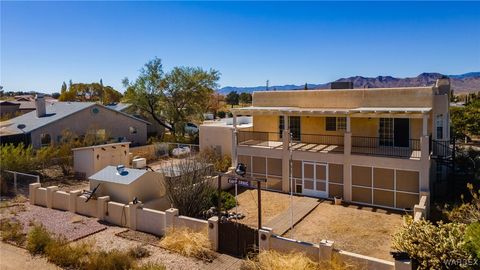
(187, 186)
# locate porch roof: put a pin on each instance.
(329, 111)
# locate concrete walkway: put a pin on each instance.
(301, 208)
(225, 262)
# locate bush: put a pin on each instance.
(432, 246)
(138, 252)
(59, 252)
(188, 243)
(220, 163)
(221, 114)
(271, 259)
(227, 199)
(472, 236)
(38, 239)
(12, 231)
(467, 212)
(111, 260)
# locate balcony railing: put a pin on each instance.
(376, 146)
(361, 145)
(441, 149)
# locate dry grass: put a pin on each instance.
(11, 231)
(273, 260)
(188, 243)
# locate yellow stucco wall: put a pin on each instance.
(265, 123)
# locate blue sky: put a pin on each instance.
(46, 43)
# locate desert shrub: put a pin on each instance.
(433, 246)
(467, 212)
(269, 260)
(472, 236)
(188, 243)
(221, 114)
(138, 252)
(111, 260)
(161, 150)
(12, 231)
(38, 239)
(59, 252)
(220, 163)
(151, 266)
(17, 157)
(227, 199)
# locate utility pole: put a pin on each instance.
(267, 84)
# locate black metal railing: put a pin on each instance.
(376, 146)
(258, 138)
(442, 149)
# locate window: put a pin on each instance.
(439, 125)
(341, 123)
(45, 139)
(132, 130)
(331, 124)
(386, 131)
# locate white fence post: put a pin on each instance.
(50, 191)
(325, 248)
(213, 232)
(72, 200)
(133, 214)
(31, 192)
(102, 206)
(170, 215)
(264, 236)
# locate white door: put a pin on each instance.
(315, 179)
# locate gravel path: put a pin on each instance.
(108, 240)
(70, 225)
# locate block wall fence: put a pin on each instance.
(136, 217)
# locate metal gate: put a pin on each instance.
(237, 239)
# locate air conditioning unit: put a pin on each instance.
(139, 163)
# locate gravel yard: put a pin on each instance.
(70, 225)
(360, 229)
(109, 239)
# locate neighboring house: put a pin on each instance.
(45, 125)
(153, 129)
(368, 146)
(8, 108)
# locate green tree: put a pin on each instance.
(64, 88)
(245, 98)
(174, 98)
(305, 87)
(232, 98)
(90, 92)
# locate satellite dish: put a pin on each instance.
(21, 126)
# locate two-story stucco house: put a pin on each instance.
(368, 146)
(46, 124)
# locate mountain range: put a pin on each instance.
(463, 83)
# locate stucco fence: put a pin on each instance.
(133, 216)
(136, 217)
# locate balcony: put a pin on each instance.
(318, 143)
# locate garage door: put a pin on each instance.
(385, 187)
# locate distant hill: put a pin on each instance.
(468, 82)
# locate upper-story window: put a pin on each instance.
(335, 123)
(294, 126)
(45, 139)
(439, 126)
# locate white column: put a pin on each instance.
(349, 126)
(425, 125)
(286, 155)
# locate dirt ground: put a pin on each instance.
(273, 204)
(359, 229)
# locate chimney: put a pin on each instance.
(40, 105)
(443, 86)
